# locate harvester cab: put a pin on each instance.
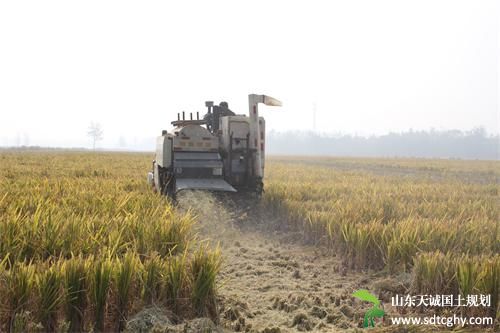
(222, 151)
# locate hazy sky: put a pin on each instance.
(370, 66)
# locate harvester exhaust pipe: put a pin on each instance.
(209, 105)
(253, 101)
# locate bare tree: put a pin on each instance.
(95, 133)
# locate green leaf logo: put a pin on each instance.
(374, 312)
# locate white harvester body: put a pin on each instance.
(221, 152)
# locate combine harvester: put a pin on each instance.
(221, 152)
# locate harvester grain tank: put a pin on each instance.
(222, 151)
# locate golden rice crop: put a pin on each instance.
(85, 243)
(436, 273)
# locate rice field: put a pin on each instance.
(438, 220)
(85, 243)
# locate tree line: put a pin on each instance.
(473, 144)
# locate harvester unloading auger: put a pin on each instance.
(221, 152)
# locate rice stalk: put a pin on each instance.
(19, 284)
(151, 284)
(76, 284)
(101, 276)
(204, 267)
(125, 271)
(49, 288)
(175, 279)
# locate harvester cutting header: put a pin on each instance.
(222, 151)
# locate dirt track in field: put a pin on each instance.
(270, 280)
